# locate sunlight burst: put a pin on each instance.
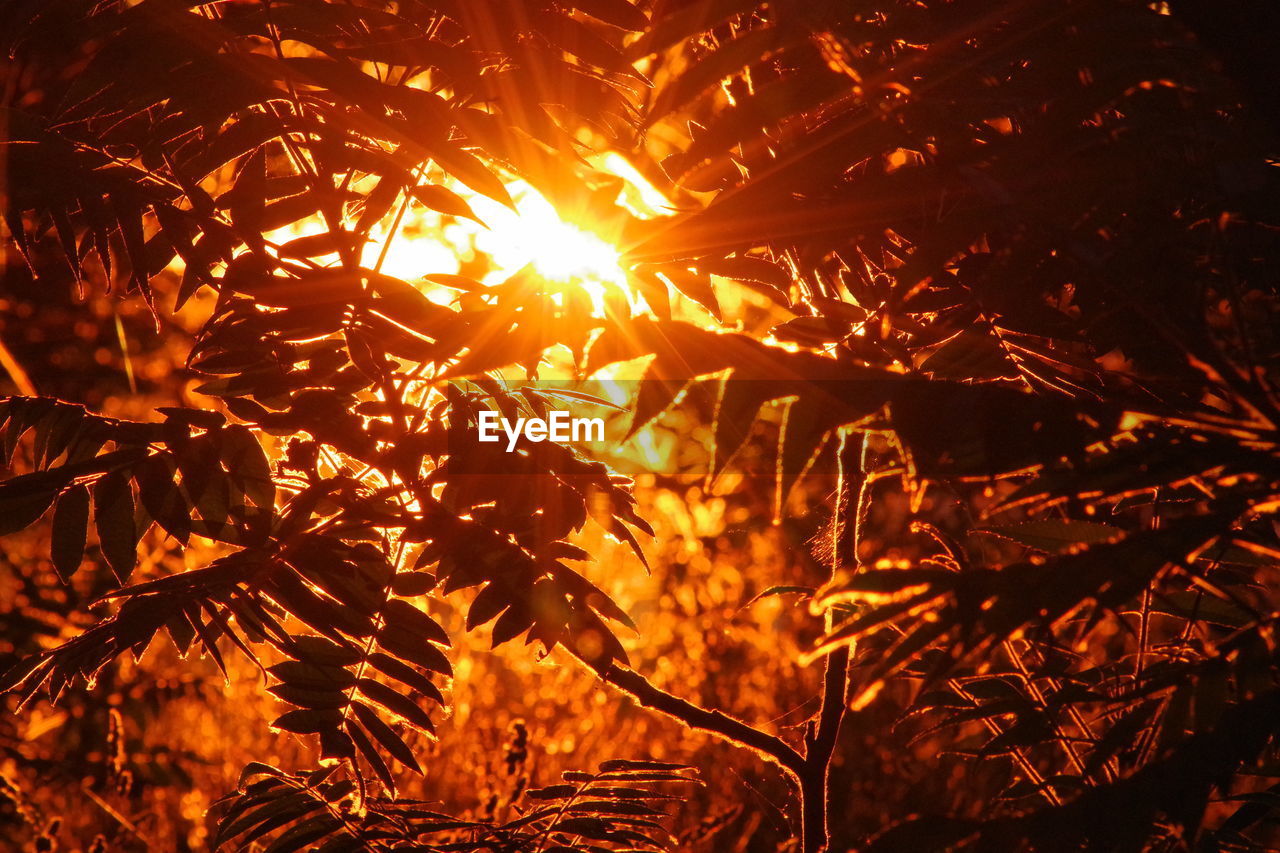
(558, 250)
(534, 234)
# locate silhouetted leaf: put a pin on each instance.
(1054, 536)
(70, 527)
(397, 703)
(407, 675)
(307, 721)
(620, 13)
(444, 200)
(24, 501)
(385, 736)
(113, 518)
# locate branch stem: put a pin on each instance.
(767, 746)
(853, 461)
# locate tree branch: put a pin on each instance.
(820, 745)
(727, 728)
(834, 686)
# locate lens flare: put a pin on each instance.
(560, 251)
(422, 242)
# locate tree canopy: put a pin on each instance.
(937, 343)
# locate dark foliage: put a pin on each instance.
(1011, 270)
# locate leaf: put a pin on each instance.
(70, 529)
(806, 591)
(305, 834)
(113, 517)
(181, 631)
(619, 13)
(307, 720)
(576, 38)
(406, 305)
(298, 808)
(160, 495)
(312, 676)
(400, 615)
(737, 406)
(487, 604)
(324, 651)
(370, 753)
(267, 804)
(762, 276)
(457, 282)
(384, 735)
(414, 648)
(729, 58)
(407, 675)
(411, 584)
(360, 590)
(58, 431)
(511, 624)
(676, 25)
(1054, 536)
(248, 464)
(696, 286)
(444, 200)
(67, 237)
(316, 245)
(806, 429)
(655, 291)
(323, 614)
(380, 200)
(249, 194)
(128, 215)
(336, 744)
(653, 398)
(811, 331)
(248, 133)
(971, 354)
(23, 501)
(316, 700)
(397, 703)
(470, 171)
(1191, 605)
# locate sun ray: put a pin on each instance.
(504, 241)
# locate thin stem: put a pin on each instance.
(814, 781)
(767, 746)
(1034, 776)
(119, 818)
(19, 376)
(564, 807)
(1037, 694)
(395, 224)
(1144, 620)
(821, 745)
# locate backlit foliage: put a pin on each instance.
(945, 512)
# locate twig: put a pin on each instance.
(727, 728)
(821, 744)
(16, 373)
(119, 818)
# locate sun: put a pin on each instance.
(533, 234)
(561, 251)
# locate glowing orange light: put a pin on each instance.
(535, 234)
(425, 242)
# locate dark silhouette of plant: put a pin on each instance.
(1012, 277)
(607, 810)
